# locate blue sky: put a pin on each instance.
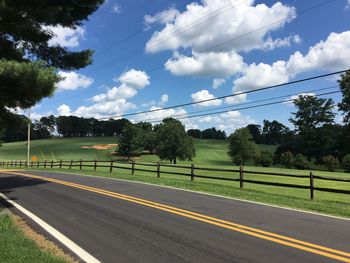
(177, 53)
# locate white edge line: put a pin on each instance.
(81, 253)
(203, 193)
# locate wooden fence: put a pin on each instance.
(157, 169)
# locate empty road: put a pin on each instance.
(120, 221)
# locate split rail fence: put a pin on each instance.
(235, 175)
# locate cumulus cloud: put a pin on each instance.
(205, 64)
(331, 54)
(205, 95)
(236, 99)
(134, 78)
(121, 92)
(72, 81)
(64, 110)
(216, 21)
(163, 17)
(164, 99)
(161, 114)
(65, 36)
(281, 42)
(217, 83)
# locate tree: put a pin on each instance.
(301, 162)
(241, 146)
(346, 163)
(28, 62)
(148, 136)
(287, 159)
(255, 131)
(344, 105)
(130, 141)
(312, 115)
(275, 132)
(331, 162)
(213, 133)
(173, 142)
(195, 133)
(266, 158)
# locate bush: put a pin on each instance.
(346, 163)
(257, 159)
(300, 162)
(266, 158)
(287, 159)
(330, 162)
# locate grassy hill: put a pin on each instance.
(208, 152)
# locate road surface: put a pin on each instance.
(120, 221)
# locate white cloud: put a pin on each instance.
(217, 83)
(116, 8)
(161, 114)
(64, 110)
(65, 36)
(217, 21)
(236, 99)
(134, 78)
(205, 95)
(281, 42)
(164, 99)
(331, 54)
(163, 17)
(261, 75)
(205, 64)
(122, 92)
(73, 81)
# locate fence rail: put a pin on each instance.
(236, 175)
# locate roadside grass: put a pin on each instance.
(15, 247)
(327, 203)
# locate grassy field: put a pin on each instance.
(15, 247)
(209, 154)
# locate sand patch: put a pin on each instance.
(100, 146)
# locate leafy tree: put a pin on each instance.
(266, 158)
(241, 146)
(212, 133)
(148, 136)
(344, 105)
(195, 133)
(346, 163)
(287, 159)
(255, 131)
(312, 114)
(28, 62)
(331, 162)
(130, 141)
(173, 142)
(275, 132)
(300, 162)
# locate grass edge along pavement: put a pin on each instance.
(326, 207)
(19, 243)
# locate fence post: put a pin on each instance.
(70, 164)
(241, 179)
(192, 172)
(51, 163)
(60, 164)
(311, 186)
(81, 164)
(158, 169)
(20, 163)
(45, 163)
(11, 163)
(95, 165)
(111, 166)
(132, 168)
(16, 163)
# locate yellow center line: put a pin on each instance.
(280, 239)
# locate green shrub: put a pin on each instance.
(287, 159)
(330, 162)
(266, 158)
(300, 162)
(346, 163)
(257, 159)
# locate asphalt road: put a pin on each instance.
(116, 227)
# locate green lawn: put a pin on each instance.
(16, 248)
(210, 153)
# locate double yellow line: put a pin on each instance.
(280, 239)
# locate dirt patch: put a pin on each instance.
(100, 146)
(40, 240)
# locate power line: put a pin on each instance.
(228, 96)
(222, 43)
(251, 102)
(136, 52)
(245, 108)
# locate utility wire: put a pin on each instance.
(245, 108)
(250, 102)
(228, 96)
